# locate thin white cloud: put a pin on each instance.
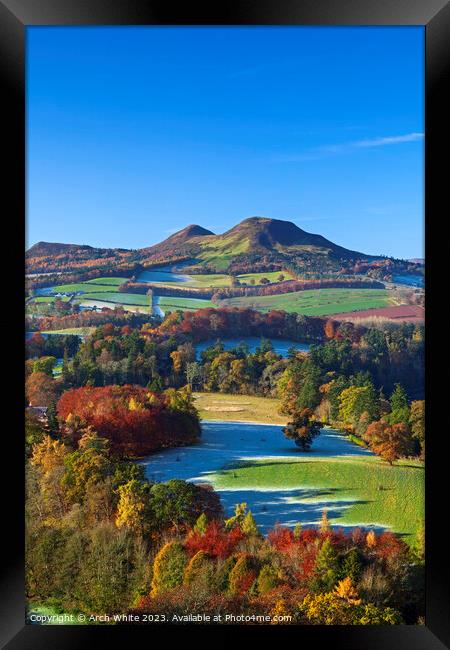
(394, 139)
(349, 147)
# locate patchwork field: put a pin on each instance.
(120, 298)
(316, 302)
(170, 303)
(109, 281)
(220, 406)
(110, 304)
(78, 331)
(88, 287)
(48, 299)
(375, 493)
(206, 280)
(404, 313)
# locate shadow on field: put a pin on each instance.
(290, 507)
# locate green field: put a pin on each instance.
(206, 280)
(381, 494)
(118, 298)
(101, 302)
(108, 281)
(48, 299)
(316, 302)
(220, 406)
(84, 287)
(170, 303)
(79, 331)
(272, 276)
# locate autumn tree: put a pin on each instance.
(199, 571)
(45, 365)
(49, 457)
(133, 509)
(40, 389)
(332, 609)
(391, 442)
(248, 525)
(268, 579)
(242, 575)
(178, 504)
(303, 429)
(168, 568)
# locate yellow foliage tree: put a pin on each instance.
(168, 568)
(48, 454)
(346, 590)
(371, 539)
(278, 612)
(132, 506)
(325, 522)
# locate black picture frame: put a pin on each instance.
(15, 16)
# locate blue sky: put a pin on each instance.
(135, 132)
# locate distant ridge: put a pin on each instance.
(256, 243)
(44, 248)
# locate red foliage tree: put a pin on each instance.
(134, 420)
(216, 541)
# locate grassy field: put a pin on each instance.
(272, 276)
(87, 302)
(119, 298)
(219, 406)
(79, 331)
(316, 302)
(48, 299)
(206, 280)
(108, 281)
(382, 495)
(170, 303)
(85, 287)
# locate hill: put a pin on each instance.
(44, 248)
(255, 244)
(175, 244)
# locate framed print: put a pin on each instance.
(228, 219)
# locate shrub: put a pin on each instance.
(331, 609)
(267, 579)
(168, 568)
(242, 575)
(199, 570)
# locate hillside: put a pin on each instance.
(44, 248)
(176, 243)
(255, 244)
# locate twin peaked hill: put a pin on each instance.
(254, 241)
